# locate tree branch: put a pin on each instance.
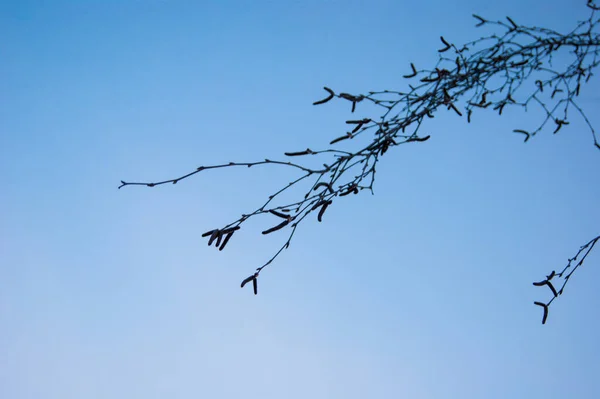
(511, 69)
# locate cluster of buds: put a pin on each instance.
(217, 235)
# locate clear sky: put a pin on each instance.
(420, 291)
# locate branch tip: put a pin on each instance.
(326, 99)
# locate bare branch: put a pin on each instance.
(565, 274)
(510, 69)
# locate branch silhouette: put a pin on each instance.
(512, 68)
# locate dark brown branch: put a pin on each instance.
(565, 274)
(511, 69)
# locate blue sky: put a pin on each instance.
(421, 291)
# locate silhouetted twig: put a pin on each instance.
(510, 69)
(564, 275)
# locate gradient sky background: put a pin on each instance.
(421, 291)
